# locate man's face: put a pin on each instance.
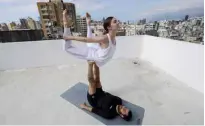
(123, 110)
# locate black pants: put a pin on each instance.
(93, 99)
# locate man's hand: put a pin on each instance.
(86, 107)
(83, 106)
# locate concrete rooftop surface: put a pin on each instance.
(34, 74)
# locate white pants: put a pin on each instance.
(82, 52)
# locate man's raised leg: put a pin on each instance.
(96, 72)
(92, 85)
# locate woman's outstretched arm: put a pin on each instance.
(97, 39)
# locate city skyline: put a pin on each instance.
(154, 10)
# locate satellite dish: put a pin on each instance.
(49, 24)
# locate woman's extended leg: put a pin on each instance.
(77, 51)
(89, 31)
(88, 21)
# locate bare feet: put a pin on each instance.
(67, 21)
(88, 18)
(91, 62)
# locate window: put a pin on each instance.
(46, 17)
(43, 7)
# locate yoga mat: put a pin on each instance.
(77, 95)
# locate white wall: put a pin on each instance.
(183, 60)
(129, 47)
(20, 55)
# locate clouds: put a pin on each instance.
(170, 6)
(15, 9)
(124, 9)
(88, 5)
(6, 1)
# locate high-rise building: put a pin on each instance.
(78, 18)
(51, 14)
(38, 25)
(81, 25)
(24, 24)
(31, 23)
(186, 17)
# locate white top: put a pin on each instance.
(103, 55)
(93, 45)
(91, 52)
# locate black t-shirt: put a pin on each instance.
(106, 106)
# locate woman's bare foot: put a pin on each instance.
(88, 18)
(67, 21)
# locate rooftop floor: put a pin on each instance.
(32, 95)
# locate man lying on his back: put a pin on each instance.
(102, 103)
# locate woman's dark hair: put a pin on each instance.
(106, 24)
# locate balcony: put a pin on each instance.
(44, 8)
(163, 76)
(45, 13)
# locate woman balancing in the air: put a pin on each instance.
(107, 43)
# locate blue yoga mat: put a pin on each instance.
(77, 95)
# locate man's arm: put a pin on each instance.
(97, 39)
(88, 108)
(99, 112)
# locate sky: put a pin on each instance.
(12, 10)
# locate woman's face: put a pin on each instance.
(114, 25)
